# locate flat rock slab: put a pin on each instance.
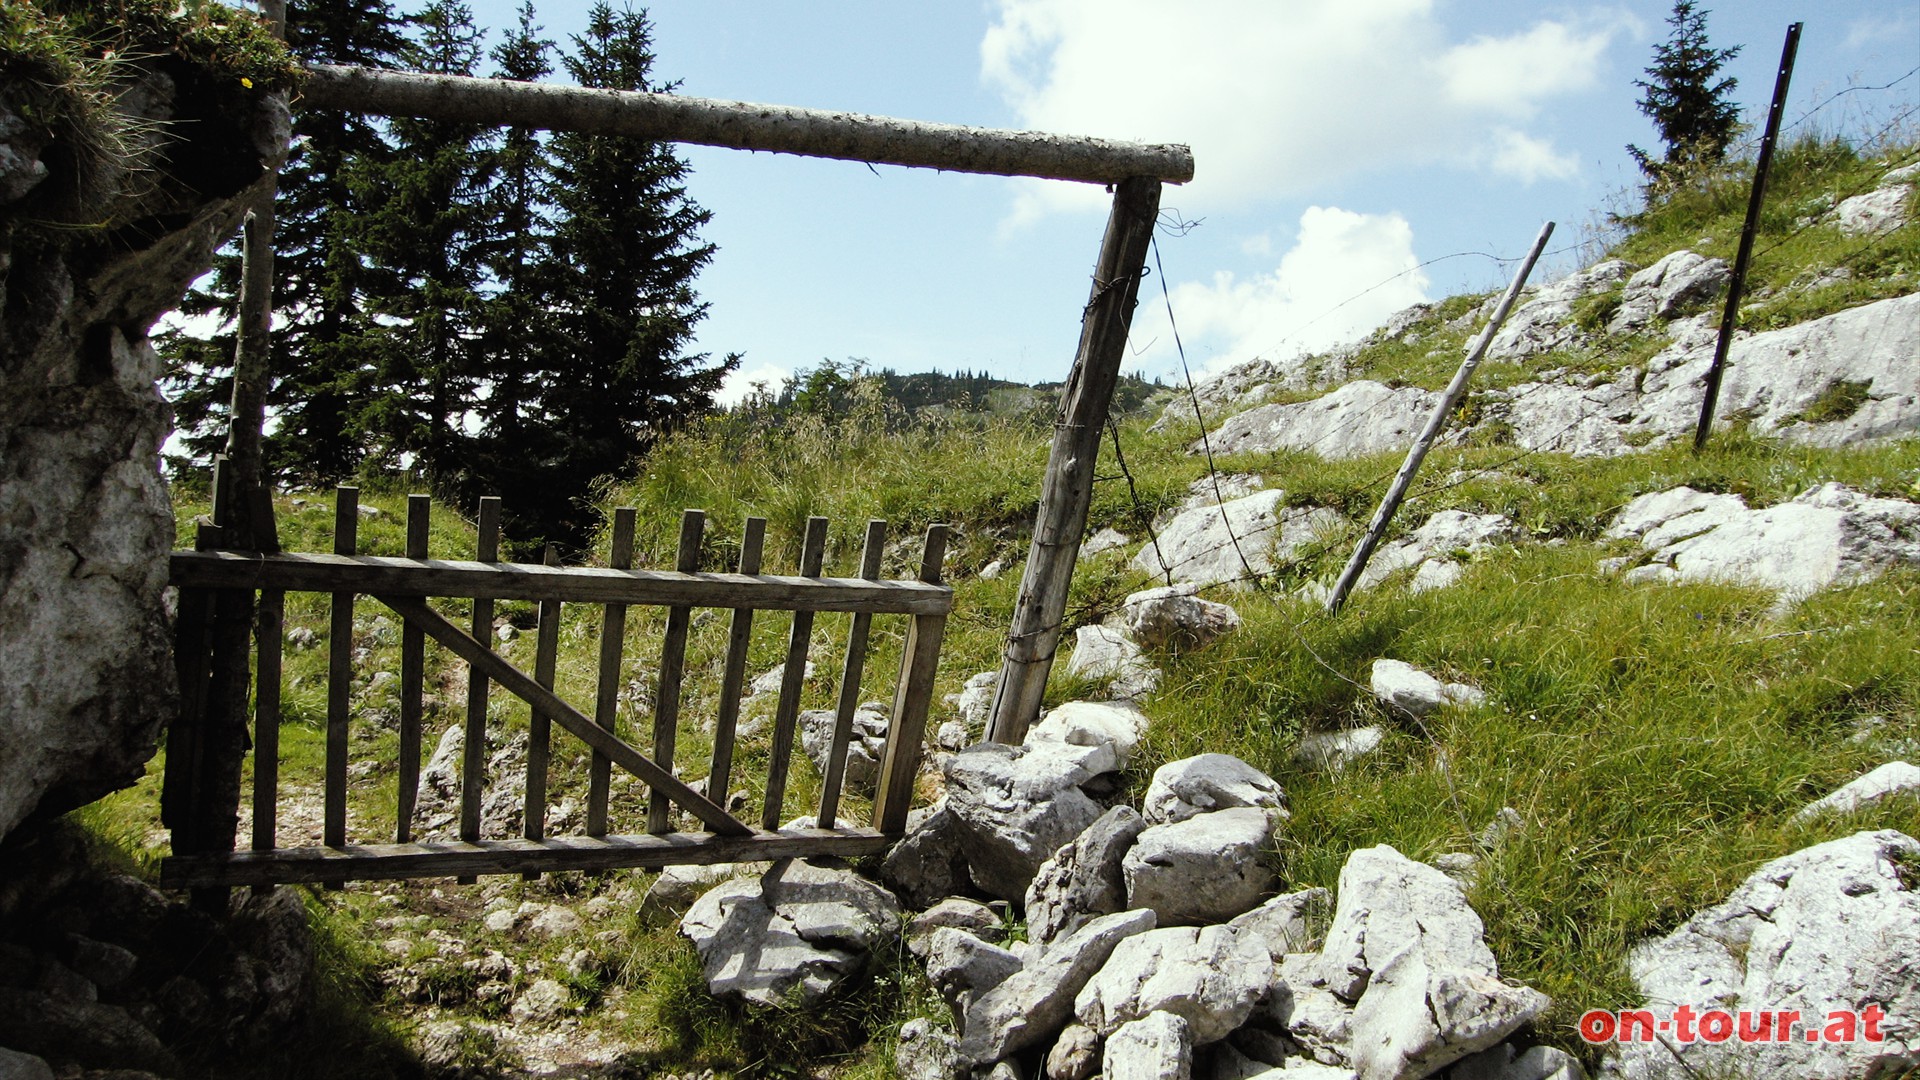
(1107, 655)
(1832, 926)
(1206, 782)
(1112, 727)
(1830, 535)
(1210, 976)
(1083, 880)
(1013, 807)
(1034, 1003)
(1893, 778)
(1205, 869)
(1206, 545)
(1361, 418)
(1155, 1047)
(1387, 903)
(1403, 687)
(800, 930)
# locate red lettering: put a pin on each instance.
(1870, 1018)
(1783, 1022)
(1636, 1026)
(1841, 1026)
(1751, 1032)
(1597, 1026)
(1716, 1025)
(1683, 1023)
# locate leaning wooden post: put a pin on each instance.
(1068, 490)
(1437, 422)
(1736, 284)
(919, 661)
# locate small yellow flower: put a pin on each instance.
(246, 82)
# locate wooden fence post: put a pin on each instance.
(1062, 518)
(919, 662)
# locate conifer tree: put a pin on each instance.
(619, 274)
(1689, 104)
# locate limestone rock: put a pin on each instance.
(1108, 655)
(1502, 1062)
(963, 967)
(1361, 418)
(1543, 321)
(1108, 729)
(1387, 903)
(1873, 213)
(678, 887)
(1173, 617)
(1105, 540)
(1291, 923)
(1012, 808)
(1204, 546)
(926, 1052)
(1206, 782)
(954, 913)
(866, 742)
(1075, 1054)
(801, 927)
(1204, 869)
(1667, 288)
(1155, 1047)
(1034, 1003)
(1401, 686)
(15, 1065)
(1893, 778)
(1083, 880)
(1415, 1019)
(1829, 535)
(1332, 751)
(1433, 549)
(545, 999)
(1210, 976)
(929, 863)
(1832, 926)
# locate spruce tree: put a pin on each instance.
(319, 279)
(619, 275)
(1689, 104)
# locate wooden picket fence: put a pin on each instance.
(202, 783)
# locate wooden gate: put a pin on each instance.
(201, 793)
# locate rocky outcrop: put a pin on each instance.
(1880, 211)
(1668, 289)
(1543, 321)
(1893, 778)
(1106, 655)
(1173, 617)
(799, 929)
(1830, 535)
(1013, 807)
(1210, 545)
(1832, 927)
(1360, 418)
(87, 263)
(1434, 550)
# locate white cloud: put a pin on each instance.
(1282, 99)
(1889, 29)
(1345, 273)
(1527, 159)
(741, 382)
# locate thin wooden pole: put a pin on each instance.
(1436, 423)
(1068, 490)
(673, 664)
(269, 637)
(546, 658)
(413, 668)
(613, 643)
(473, 766)
(742, 126)
(850, 674)
(786, 714)
(346, 531)
(733, 677)
(1756, 199)
(919, 662)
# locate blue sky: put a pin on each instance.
(1339, 145)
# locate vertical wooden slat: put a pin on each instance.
(613, 634)
(850, 674)
(673, 661)
(269, 634)
(787, 712)
(346, 530)
(192, 662)
(733, 678)
(473, 772)
(919, 662)
(540, 725)
(413, 649)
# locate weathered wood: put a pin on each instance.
(193, 663)
(733, 676)
(787, 712)
(1743, 255)
(673, 664)
(473, 759)
(413, 668)
(519, 683)
(850, 673)
(1068, 488)
(270, 639)
(613, 643)
(346, 528)
(919, 662)
(546, 658)
(743, 126)
(1430, 434)
(295, 572)
(369, 862)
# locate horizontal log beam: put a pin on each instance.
(296, 572)
(743, 125)
(373, 862)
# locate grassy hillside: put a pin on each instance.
(1654, 740)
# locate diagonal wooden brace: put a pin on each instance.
(519, 683)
